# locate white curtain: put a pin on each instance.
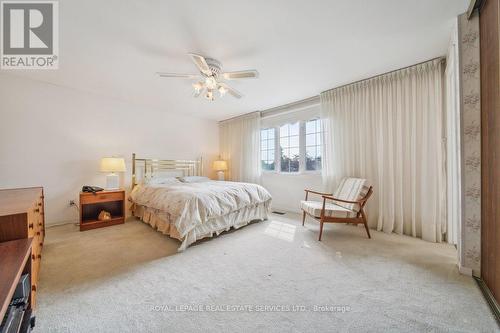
(453, 156)
(388, 129)
(240, 146)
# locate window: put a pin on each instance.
(290, 147)
(313, 145)
(267, 148)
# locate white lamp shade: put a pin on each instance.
(113, 164)
(220, 165)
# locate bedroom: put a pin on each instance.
(205, 129)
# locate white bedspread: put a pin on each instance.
(191, 204)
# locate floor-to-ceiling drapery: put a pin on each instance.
(240, 146)
(389, 129)
(453, 155)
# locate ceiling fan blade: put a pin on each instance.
(186, 76)
(249, 74)
(230, 90)
(201, 63)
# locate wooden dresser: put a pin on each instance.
(22, 216)
(15, 260)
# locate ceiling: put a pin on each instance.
(300, 48)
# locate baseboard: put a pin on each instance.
(286, 209)
(495, 309)
(464, 270)
(57, 224)
(50, 225)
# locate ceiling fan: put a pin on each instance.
(211, 77)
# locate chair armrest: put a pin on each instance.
(341, 200)
(319, 193)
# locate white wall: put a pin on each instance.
(54, 137)
(288, 189)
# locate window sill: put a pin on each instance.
(300, 173)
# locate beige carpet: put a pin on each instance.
(269, 276)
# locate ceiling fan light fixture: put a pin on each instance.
(210, 95)
(222, 91)
(210, 82)
(211, 78)
(197, 86)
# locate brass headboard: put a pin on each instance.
(150, 167)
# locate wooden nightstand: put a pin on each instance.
(92, 204)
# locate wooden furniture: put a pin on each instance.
(489, 46)
(346, 211)
(92, 204)
(15, 260)
(22, 216)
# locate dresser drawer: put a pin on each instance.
(101, 197)
(38, 242)
(23, 217)
(34, 221)
(33, 296)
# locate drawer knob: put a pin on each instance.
(40, 224)
(38, 233)
(33, 288)
(33, 257)
(30, 225)
(37, 210)
(41, 244)
(39, 204)
(39, 256)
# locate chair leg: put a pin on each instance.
(320, 230)
(303, 218)
(365, 223)
(367, 230)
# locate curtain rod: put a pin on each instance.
(303, 103)
(386, 73)
(316, 98)
(240, 116)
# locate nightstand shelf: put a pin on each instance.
(92, 204)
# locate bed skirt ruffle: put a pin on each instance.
(162, 222)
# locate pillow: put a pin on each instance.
(193, 179)
(162, 181)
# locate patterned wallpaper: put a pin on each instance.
(470, 109)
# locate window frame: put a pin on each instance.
(302, 149)
(320, 146)
(275, 148)
(289, 147)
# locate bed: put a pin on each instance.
(173, 197)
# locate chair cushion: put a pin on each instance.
(331, 209)
(351, 189)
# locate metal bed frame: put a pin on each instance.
(151, 167)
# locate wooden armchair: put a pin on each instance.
(349, 201)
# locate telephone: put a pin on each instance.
(92, 189)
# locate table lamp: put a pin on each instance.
(112, 165)
(220, 166)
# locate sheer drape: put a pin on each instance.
(389, 130)
(453, 156)
(240, 146)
